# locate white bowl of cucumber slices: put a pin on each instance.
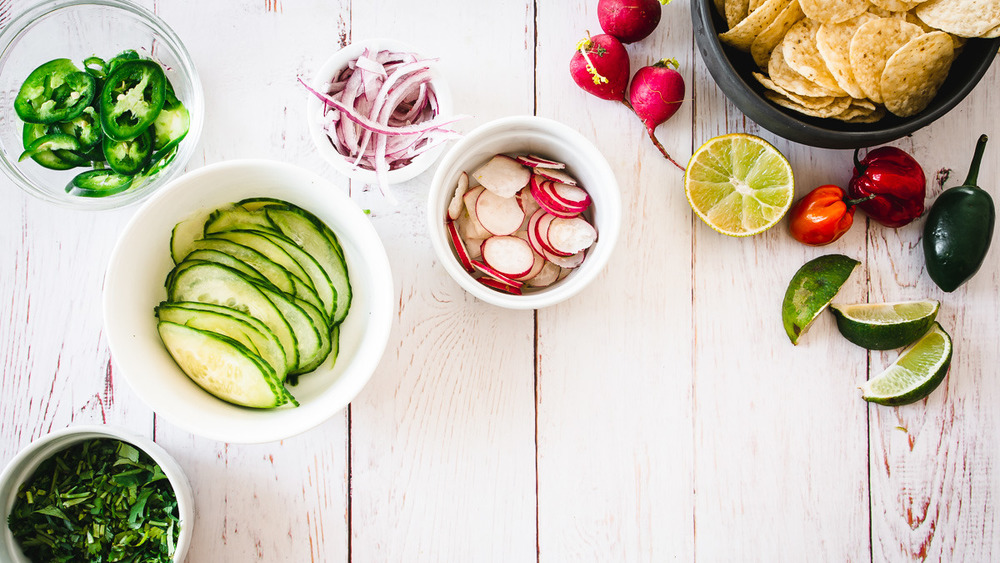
(248, 301)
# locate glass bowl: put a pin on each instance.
(76, 30)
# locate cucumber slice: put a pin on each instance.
(318, 241)
(236, 218)
(325, 293)
(278, 276)
(319, 320)
(263, 245)
(184, 235)
(223, 367)
(307, 334)
(206, 255)
(206, 282)
(229, 322)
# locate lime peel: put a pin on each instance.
(916, 372)
(811, 290)
(885, 326)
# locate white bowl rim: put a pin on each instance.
(367, 358)
(578, 279)
(26, 461)
(314, 106)
(191, 140)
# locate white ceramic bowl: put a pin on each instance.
(27, 461)
(141, 260)
(314, 111)
(549, 139)
(66, 29)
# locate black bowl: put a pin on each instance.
(732, 70)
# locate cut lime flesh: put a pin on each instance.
(885, 326)
(915, 374)
(739, 184)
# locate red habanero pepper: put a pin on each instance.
(822, 216)
(897, 182)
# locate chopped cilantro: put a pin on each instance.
(101, 501)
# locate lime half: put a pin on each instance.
(812, 288)
(884, 326)
(739, 184)
(917, 371)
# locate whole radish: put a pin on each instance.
(600, 66)
(629, 20)
(656, 94)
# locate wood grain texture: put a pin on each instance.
(615, 455)
(443, 436)
(660, 415)
(934, 474)
(780, 432)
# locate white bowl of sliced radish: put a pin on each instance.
(379, 113)
(248, 301)
(524, 212)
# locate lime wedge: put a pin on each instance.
(884, 326)
(917, 371)
(739, 184)
(812, 288)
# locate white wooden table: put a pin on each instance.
(660, 415)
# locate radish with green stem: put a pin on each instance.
(655, 95)
(629, 20)
(600, 66)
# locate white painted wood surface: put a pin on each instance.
(660, 415)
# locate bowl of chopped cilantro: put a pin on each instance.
(95, 493)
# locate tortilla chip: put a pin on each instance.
(915, 72)
(878, 114)
(895, 5)
(786, 77)
(807, 101)
(743, 35)
(834, 44)
(720, 7)
(992, 34)
(764, 43)
(754, 4)
(802, 55)
(965, 18)
(871, 47)
(833, 11)
(736, 10)
(836, 108)
(857, 111)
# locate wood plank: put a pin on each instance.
(934, 476)
(284, 501)
(780, 433)
(615, 450)
(442, 439)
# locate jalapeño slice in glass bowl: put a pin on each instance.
(55, 91)
(129, 34)
(132, 98)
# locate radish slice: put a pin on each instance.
(539, 259)
(511, 256)
(455, 207)
(555, 175)
(499, 215)
(532, 230)
(546, 277)
(568, 262)
(572, 196)
(503, 175)
(527, 203)
(484, 268)
(496, 284)
(475, 247)
(563, 272)
(470, 228)
(471, 196)
(541, 190)
(567, 236)
(542, 235)
(534, 161)
(459, 244)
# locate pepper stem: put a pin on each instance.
(976, 160)
(857, 163)
(852, 202)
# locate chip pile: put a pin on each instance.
(853, 60)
